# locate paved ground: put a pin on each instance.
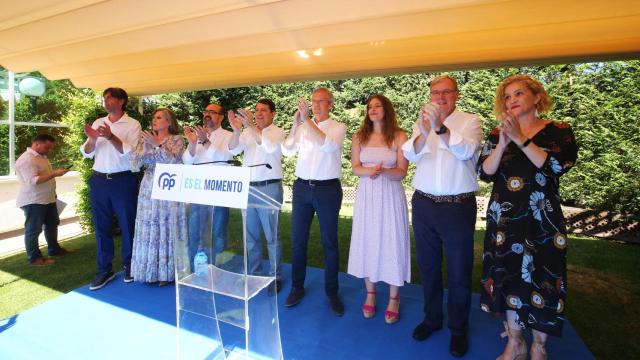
(12, 218)
(13, 241)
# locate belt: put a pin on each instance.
(318, 182)
(265, 182)
(112, 175)
(458, 198)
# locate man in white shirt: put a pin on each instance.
(261, 143)
(445, 147)
(113, 186)
(208, 143)
(37, 199)
(318, 142)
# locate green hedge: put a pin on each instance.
(600, 100)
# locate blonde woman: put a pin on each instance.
(158, 223)
(524, 260)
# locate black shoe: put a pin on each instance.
(294, 298)
(126, 274)
(101, 280)
(336, 305)
(458, 345)
(275, 287)
(423, 331)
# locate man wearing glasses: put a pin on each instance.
(208, 142)
(444, 147)
(318, 142)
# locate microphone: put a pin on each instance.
(265, 164)
(230, 162)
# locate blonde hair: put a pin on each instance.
(440, 78)
(326, 90)
(532, 84)
(171, 116)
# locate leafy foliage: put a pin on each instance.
(601, 101)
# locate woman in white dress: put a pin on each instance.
(380, 234)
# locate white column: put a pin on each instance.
(12, 123)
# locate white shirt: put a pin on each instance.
(29, 166)
(447, 170)
(317, 161)
(217, 149)
(269, 152)
(107, 158)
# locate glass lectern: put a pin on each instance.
(223, 311)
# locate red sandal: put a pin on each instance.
(391, 317)
(369, 311)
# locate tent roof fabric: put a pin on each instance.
(155, 46)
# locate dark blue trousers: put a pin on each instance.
(450, 226)
(325, 200)
(35, 216)
(117, 196)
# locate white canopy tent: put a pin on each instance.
(155, 46)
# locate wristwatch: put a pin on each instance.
(525, 144)
(203, 142)
(443, 129)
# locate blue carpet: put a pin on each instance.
(137, 321)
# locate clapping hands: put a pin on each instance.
(302, 114)
(429, 118)
(149, 138)
(509, 129)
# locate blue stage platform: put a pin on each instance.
(137, 321)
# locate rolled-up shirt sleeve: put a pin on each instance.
(271, 140)
(89, 155)
(409, 150)
(242, 143)
(464, 143)
(130, 140)
(334, 137)
(27, 172)
(291, 145)
(187, 158)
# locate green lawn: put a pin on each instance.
(603, 303)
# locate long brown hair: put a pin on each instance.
(389, 125)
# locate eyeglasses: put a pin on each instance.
(443, 92)
(210, 112)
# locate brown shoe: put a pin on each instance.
(39, 262)
(63, 252)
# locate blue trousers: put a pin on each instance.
(261, 220)
(199, 231)
(450, 226)
(325, 200)
(35, 216)
(117, 196)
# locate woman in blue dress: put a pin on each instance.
(159, 223)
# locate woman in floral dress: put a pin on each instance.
(524, 259)
(159, 223)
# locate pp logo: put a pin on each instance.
(166, 181)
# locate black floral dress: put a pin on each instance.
(524, 258)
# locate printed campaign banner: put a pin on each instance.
(208, 185)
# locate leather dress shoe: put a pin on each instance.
(423, 331)
(336, 305)
(458, 345)
(294, 298)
